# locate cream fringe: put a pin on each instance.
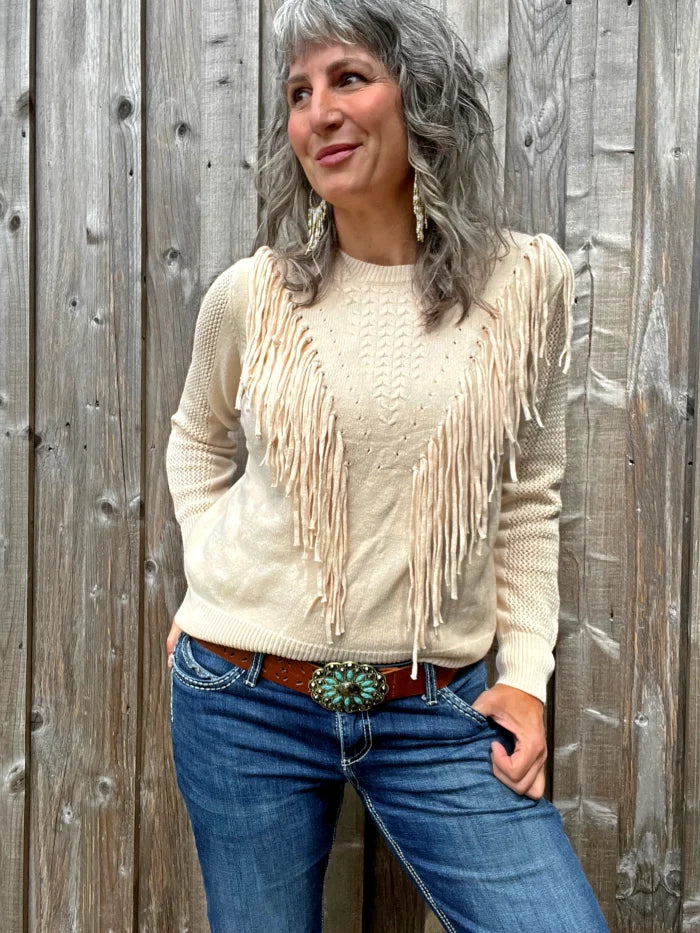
(451, 488)
(450, 496)
(305, 448)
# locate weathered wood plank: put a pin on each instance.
(538, 114)
(87, 469)
(690, 881)
(16, 380)
(651, 831)
(600, 167)
(691, 817)
(202, 134)
(484, 29)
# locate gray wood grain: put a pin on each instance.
(664, 219)
(16, 381)
(682, 50)
(690, 865)
(87, 483)
(588, 687)
(203, 127)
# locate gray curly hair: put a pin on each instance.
(450, 146)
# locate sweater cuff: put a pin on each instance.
(524, 661)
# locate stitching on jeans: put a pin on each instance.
(404, 861)
(366, 737)
(253, 672)
(460, 705)
(336, 727)
(340, 732)
(216, 685)
(431, 695)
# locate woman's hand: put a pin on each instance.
(522, 714)
(170, 642)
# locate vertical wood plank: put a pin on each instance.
(663, 227)
(484, 29)
(87, 470)
(170, 892)
(690, 881)
(538, 114)
(202, 134)
(15, 447)
(588, 687)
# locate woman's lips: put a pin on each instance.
(337, 156)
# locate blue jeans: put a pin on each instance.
(262, 769)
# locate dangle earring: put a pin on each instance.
(315, 221)
(418, 210)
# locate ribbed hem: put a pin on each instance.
(524, 661)
(201, 619)
(372, 273)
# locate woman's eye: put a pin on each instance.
(341, 80)
(351, 74)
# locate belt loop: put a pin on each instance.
(430, 696)
(253, 673)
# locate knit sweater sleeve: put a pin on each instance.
(526, 550)
(200, 457)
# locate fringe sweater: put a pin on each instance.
(401, 495)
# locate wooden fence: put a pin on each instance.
(127, 135)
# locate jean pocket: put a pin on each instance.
(461, 692)
(202, 669)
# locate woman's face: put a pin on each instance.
(343, 94)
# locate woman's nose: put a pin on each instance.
(324, 111)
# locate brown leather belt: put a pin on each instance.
(340, 686)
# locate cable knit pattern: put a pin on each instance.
(387, 348)
(401, 493)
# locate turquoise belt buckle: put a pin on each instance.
(348, 686)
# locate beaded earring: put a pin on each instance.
(315, 221)
(418, 210)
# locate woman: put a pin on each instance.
(391, 350)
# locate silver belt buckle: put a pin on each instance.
(348, 686)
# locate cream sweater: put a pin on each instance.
(401, 496)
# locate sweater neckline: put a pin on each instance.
(360, 271)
